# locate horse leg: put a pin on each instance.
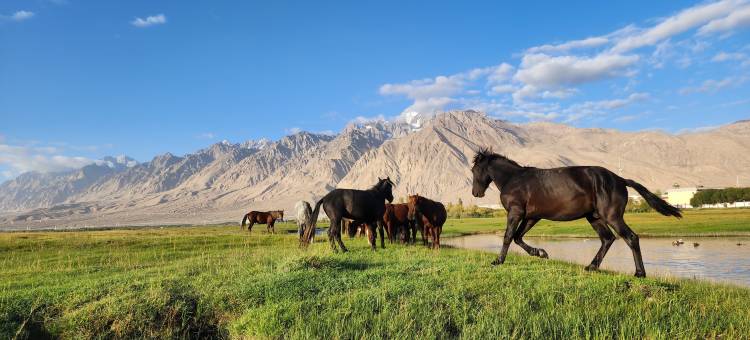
(524, 227)
(514, 218)
(414, 232)
(335, 223)
(340, 242)
(372, 236)
(382, 237)
(607, 238)
(631, 239)
(437, 230)
(250, 226)
(389, 231)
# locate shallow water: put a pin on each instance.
(716, 258)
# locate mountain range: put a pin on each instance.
(431, 157)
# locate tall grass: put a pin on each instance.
(221, 282)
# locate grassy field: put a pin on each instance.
(696, 222)
(219, 281)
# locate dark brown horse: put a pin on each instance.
(397, 223)
(562, 194)
(367, 206)
(431, 215)
(262, 217)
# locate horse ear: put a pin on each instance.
(379, 179)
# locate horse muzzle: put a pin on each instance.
(477, 193)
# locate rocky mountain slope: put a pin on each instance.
(431, 158)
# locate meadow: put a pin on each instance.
(695, 222)
(218, 281)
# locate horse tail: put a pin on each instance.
(310, 223)
(654, 201)
(244, 219)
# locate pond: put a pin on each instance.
(714, 258)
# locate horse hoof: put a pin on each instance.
(496, 263)
(543, 254)
(640, 274)
(591, 268)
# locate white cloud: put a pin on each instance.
(558, 72)
(440, 86)
(363, 120)
(626, 118)
(594, 108)
(19, 16)
(504, 88)
(679, 23)
(206, 135)
(158, 19)
(293, 130)
(501, 73)
(724, 56)
(541, 71)
(736, 19)
(22, 159)
(567, 46)
(713, 85)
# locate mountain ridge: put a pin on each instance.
(220, 182)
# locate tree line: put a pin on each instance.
(717, 196)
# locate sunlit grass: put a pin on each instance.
(220, 281)
(696, 222)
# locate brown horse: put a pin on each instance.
(431, 215)
(262, 217)
(353, 228)
(397, 223)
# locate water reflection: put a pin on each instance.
(715, 258)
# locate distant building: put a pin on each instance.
(680, 197)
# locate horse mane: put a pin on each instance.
(486, 154)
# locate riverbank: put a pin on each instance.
(199, 281)
(695, 222)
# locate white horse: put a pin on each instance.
(303, 210)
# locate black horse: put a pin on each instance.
(562, 194)
(366, 206)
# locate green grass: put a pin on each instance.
(696, 222)
(204, 281)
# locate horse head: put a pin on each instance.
(385, 188)
(413, 204)
(481, 172)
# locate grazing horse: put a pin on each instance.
(354, 228)
(430, 215)
(303, 211)
(397, 223)
(262, 217)
(562, 194)
(367, 206)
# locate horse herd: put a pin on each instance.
(364, 211)
(528, 194)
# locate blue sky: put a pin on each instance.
(83, 79)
